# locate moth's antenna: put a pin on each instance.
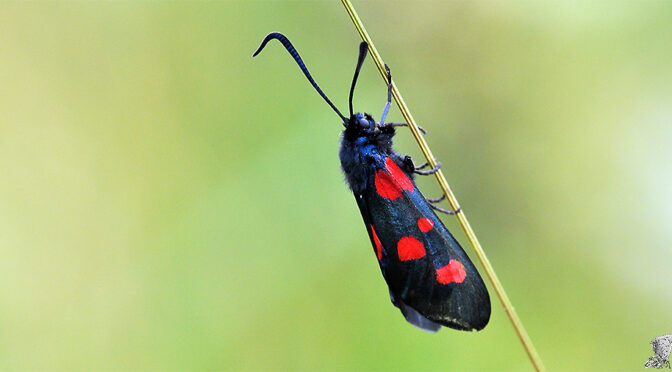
(290, 48)
(363, 49)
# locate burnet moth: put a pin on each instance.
(430, 277)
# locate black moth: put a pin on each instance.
(430, 277)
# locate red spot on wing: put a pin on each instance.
(425, 224)
(410, 248)
(399, 175)
(386, 186)
(452, 273)
(390, 181)
(376, 241)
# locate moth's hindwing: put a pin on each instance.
(424, 266)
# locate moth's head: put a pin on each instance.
(361, 123)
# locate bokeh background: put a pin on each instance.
(168, 202)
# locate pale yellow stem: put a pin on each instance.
(461, 217)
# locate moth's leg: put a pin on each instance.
(439, 209)
(389, 95)
(424, 132)
(418, 170)
(436, 200)
(432, 204)
(408, 165)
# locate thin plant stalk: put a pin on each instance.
(461, 217)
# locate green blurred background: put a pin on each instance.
(168, 202)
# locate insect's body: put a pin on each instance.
(430, 278)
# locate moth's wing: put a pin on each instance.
(425, 268)
(412, 316)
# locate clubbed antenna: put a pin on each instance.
(290, 48)
(363, 49)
